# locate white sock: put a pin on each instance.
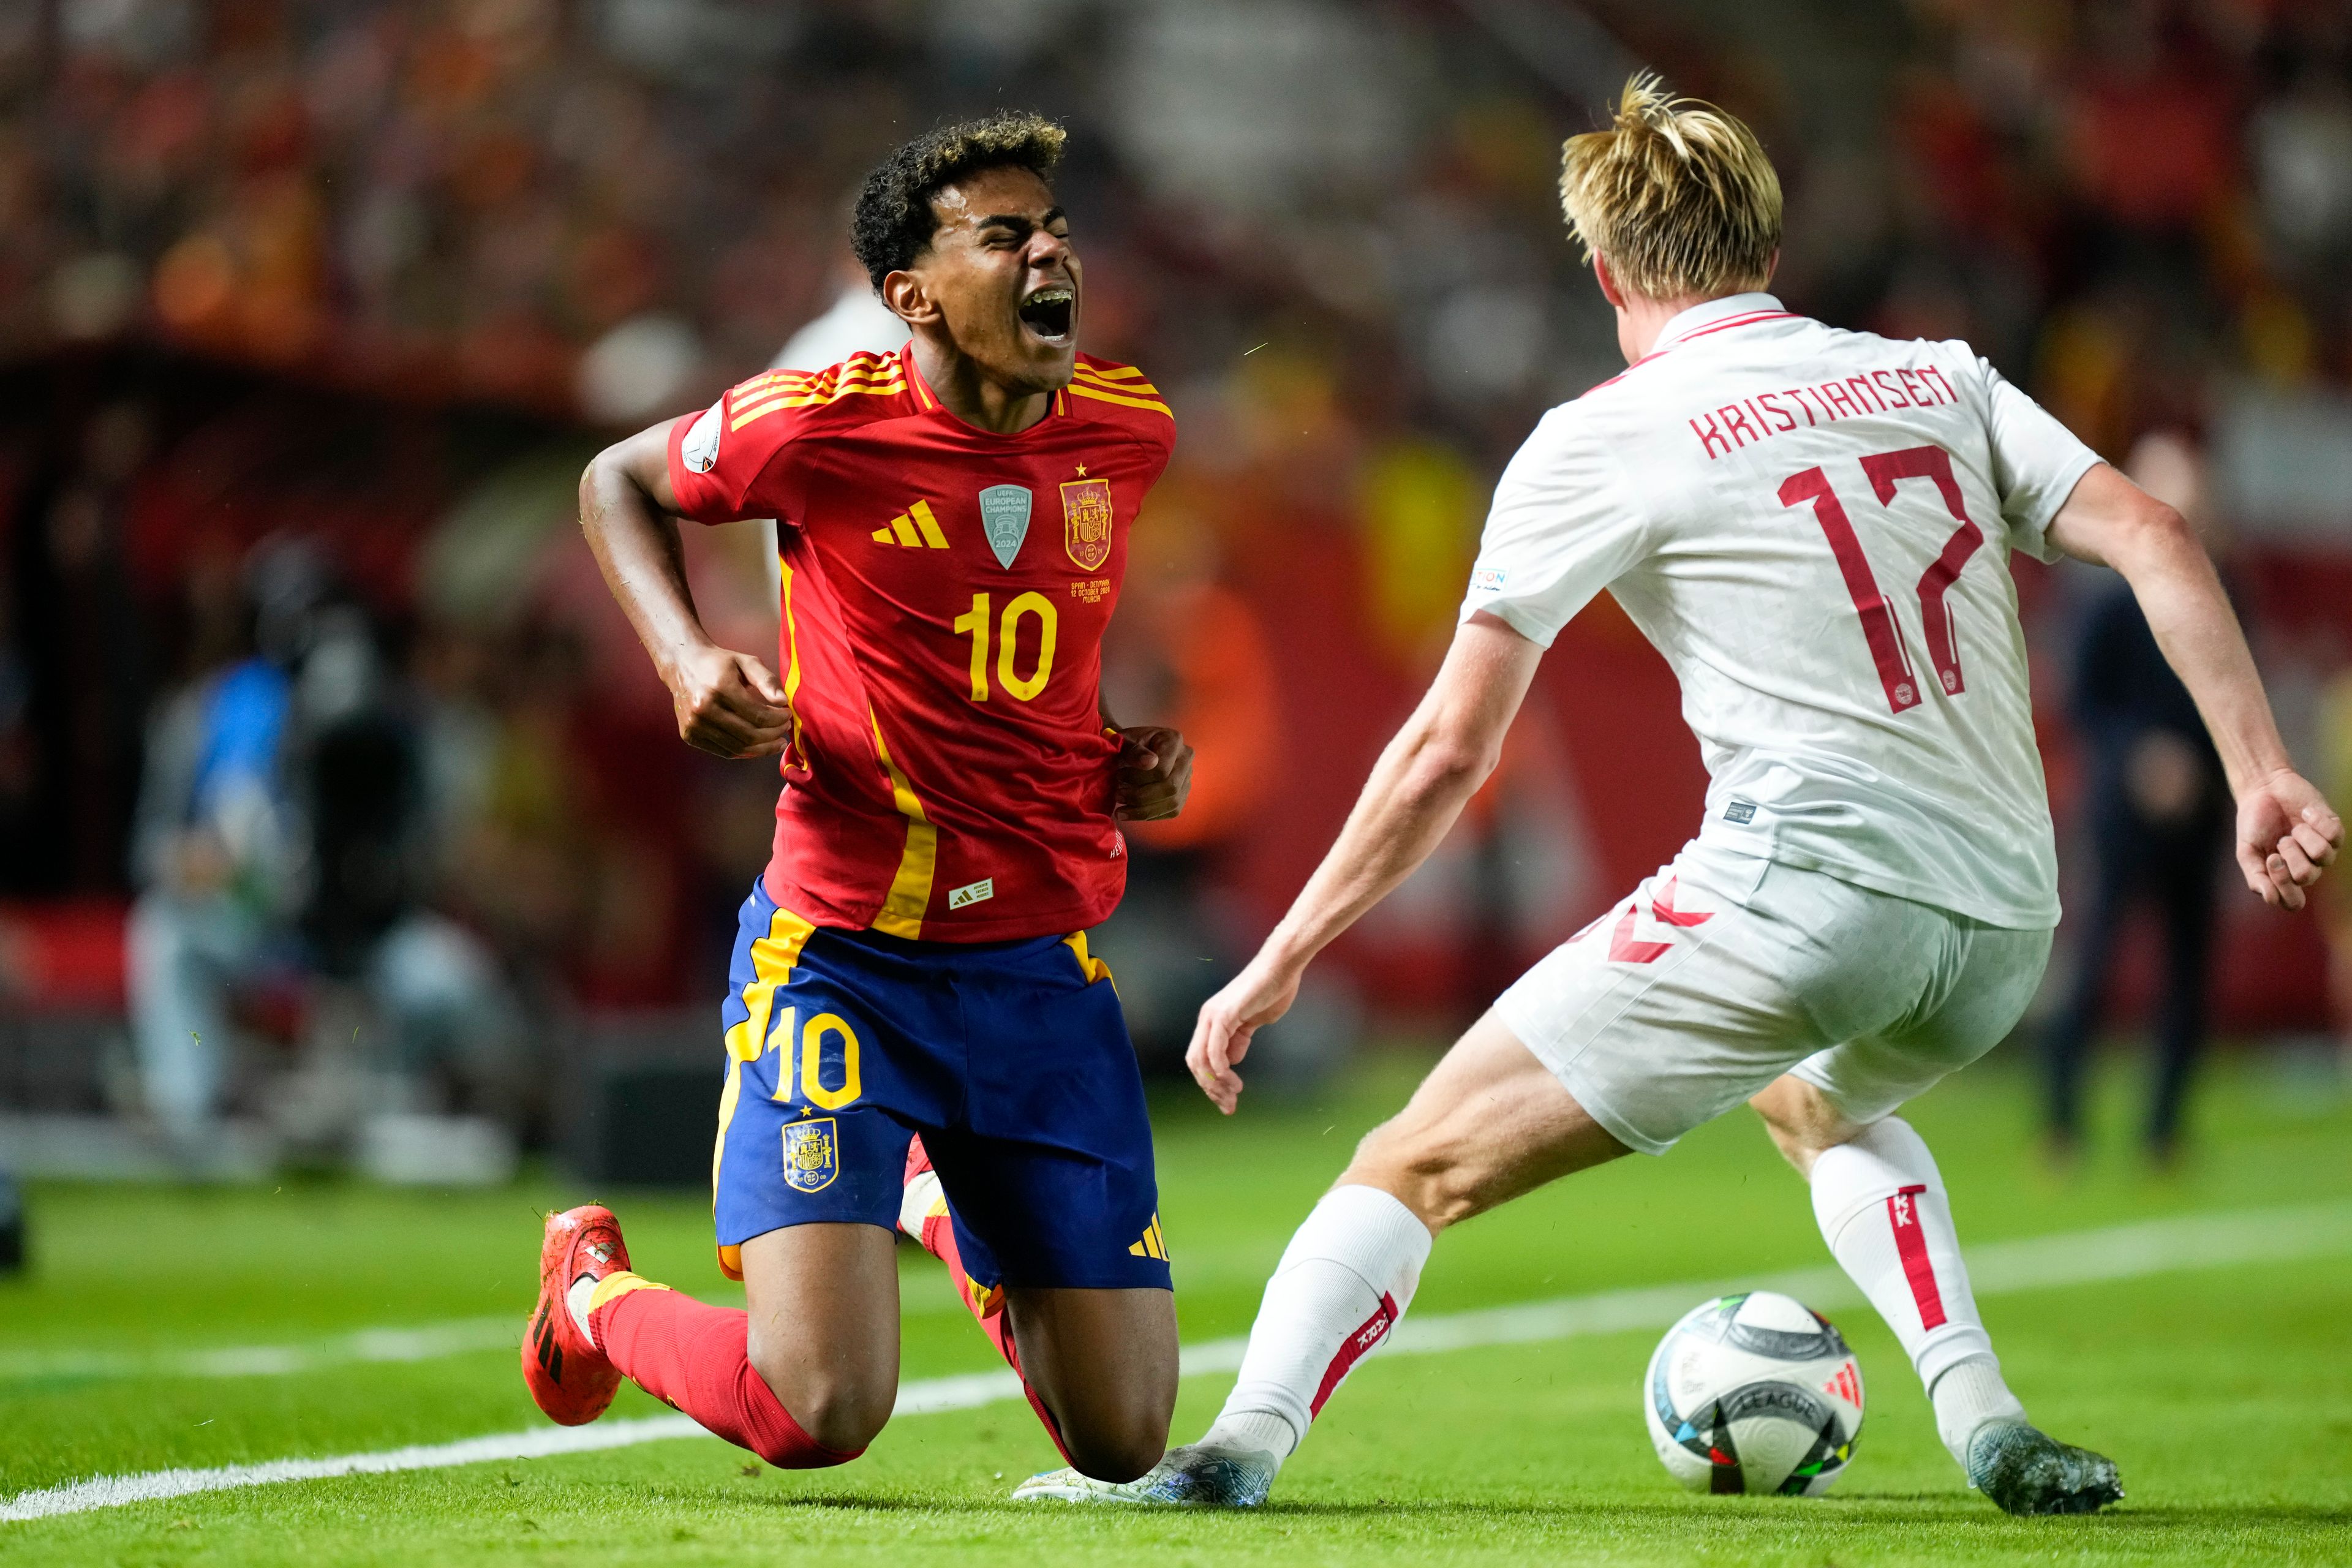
(916, 1203)
(1969, 1393)
(1880, 1201)
(1343, 1282)
(576, 1298)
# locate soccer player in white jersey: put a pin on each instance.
(1813, 526)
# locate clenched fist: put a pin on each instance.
(1155, 774)
(2287, 837)
(728, 703)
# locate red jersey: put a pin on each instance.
(945, 594)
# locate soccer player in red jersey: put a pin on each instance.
(911, 983)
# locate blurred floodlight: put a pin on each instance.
(638, 370)
(2282, 462)
(143, 32)
(1003, 33)
(693, 40)
(1486, 341)
(95, 296)
(410, 1150)
(2301, 148)
(1261, 104)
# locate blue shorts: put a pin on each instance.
(1009, 1058)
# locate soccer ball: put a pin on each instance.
(1754, 1393)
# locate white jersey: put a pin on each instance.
(1814, 527)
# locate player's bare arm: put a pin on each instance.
(2286, 831)
(1421, 781)
(728, 703)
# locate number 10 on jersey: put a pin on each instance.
(1879, 629)
(974, 624)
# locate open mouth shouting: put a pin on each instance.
(1049, 312)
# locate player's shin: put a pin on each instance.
(1881, 1204)
(1343, 1282)
(696, 1358)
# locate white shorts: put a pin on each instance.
(1724, 971)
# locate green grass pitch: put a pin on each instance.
(2224, 1392)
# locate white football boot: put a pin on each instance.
(1190, 1477)
(2025, 1470)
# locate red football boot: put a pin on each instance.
(570, 1377)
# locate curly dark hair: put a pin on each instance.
(894, 222)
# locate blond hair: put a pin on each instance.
(1677, 194)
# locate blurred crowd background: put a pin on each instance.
(341, 817)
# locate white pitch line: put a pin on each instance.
(2036, 1263)
(406, 1342)
(427, 1342)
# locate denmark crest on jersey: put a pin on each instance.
(812, 1153)
(1086, 519)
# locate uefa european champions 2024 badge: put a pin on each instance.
(1004, 517)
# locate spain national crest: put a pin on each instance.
(812, 1154)
(1087, 520)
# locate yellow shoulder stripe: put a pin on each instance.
(814, 395)
(1111, 371)
(1079, 389)
(1131, 388)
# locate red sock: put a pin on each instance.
(691, 1357)
(986, 1305)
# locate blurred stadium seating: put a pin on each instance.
(377, 277)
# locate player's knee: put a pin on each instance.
(838, 1411)
(843, 1418)
(1120, 1452)
(1115, 1429)
(1802, 1122)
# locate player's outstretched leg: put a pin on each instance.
(1490, 1122)
(1881, 1204)
(597, 1320)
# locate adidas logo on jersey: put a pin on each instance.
(913, 528)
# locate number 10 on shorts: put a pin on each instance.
(821, 1031)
